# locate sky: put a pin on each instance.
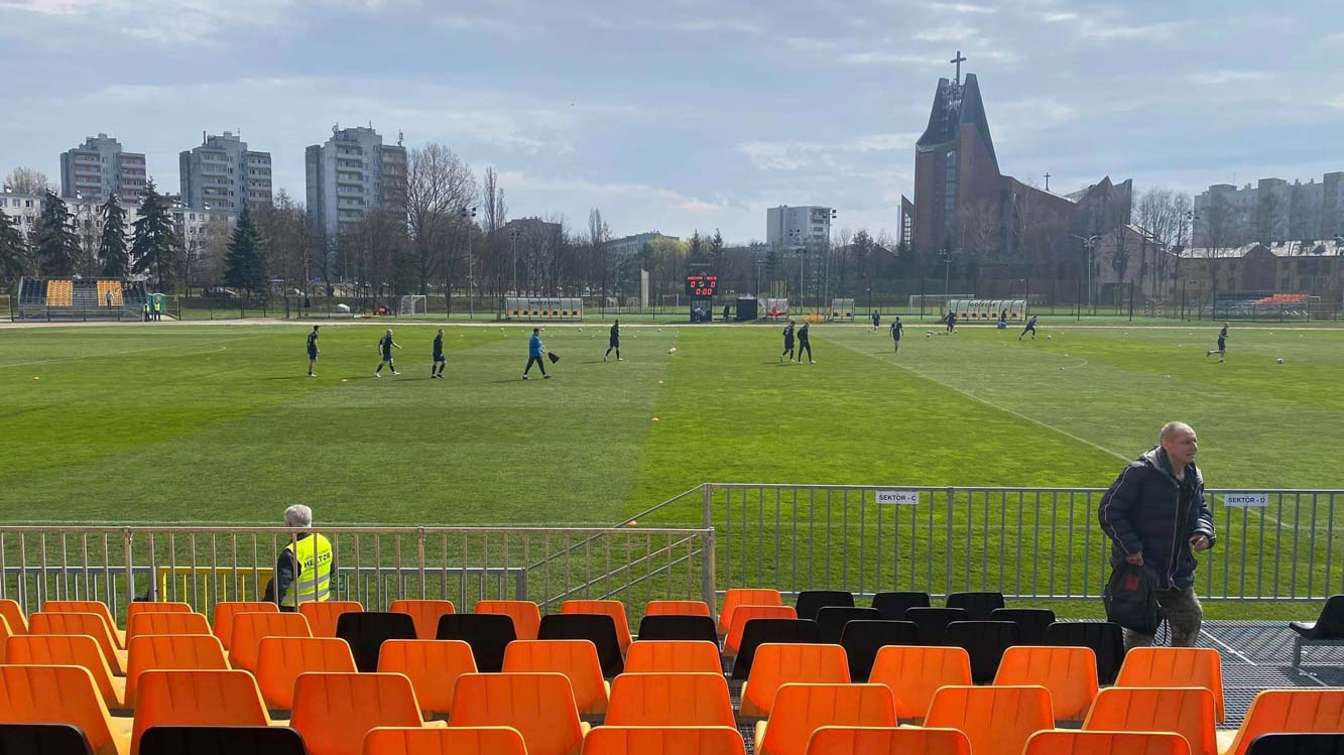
(686, 115)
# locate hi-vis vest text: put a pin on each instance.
(313, 582)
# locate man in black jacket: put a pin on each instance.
(1156, 517)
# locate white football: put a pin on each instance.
(1280, 360)
(672, 350)
(1049, 338)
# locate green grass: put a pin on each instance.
(219, 424)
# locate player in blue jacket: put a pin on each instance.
(535, 351)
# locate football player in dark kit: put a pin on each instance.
(897, 330)
(1031, 328)
(1222, 346)
(804, 344)
(436, 367)
(788, 342)
(385, 346)
(614, 341)
(312, 351)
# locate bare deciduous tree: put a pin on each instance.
(438, 186)
(28, 181)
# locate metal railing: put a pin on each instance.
(373, 565)
(1041, 543)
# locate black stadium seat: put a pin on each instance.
(367, 630)
(221, 740)
(669, 627)
(811, 601)
(932, 622)
(893, 605)
(978, 605)
(1031, 622)
(1298, 744)
(985, 641)
(599, 628)
(1327, 629)
(832, 619)
(1106, 639)
(487, 634)
(759, 631)
(42, 739)
(863, 638)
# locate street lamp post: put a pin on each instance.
(1090, 244)
(468, 214)
(513, 239)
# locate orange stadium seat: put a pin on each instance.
(62, 694)
(166, 623)
(613, 608)
(189, 652)
(676, 608)
(1070, 673)
(875, 740)
(914, 673)
(69, 650)
(665, 656)
(335, 712)
(13, 614)
(433, 667)
(779, 663)
(280, 660)
(1188, 711)
(739, 596)
(540, 706)
(425, 613)
(1065, 742)
(1175, 667)
(525, 614)
(997, 720)
(1289, 710)
(483, 740)
(5, 634)
(322, 616)
(677, 699)
(225, 610)
(744, 613)
(649, 740)
(91, 624)
(576, 659)
(88, 606)
(196, 698)
(801, 709)
(250, 628)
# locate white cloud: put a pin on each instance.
(952, 33)
(797, 155)
(882, 57)
(962, 8)
(1105, 31)
(1059, 17)
(1214, 78)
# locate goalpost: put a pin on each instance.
(412, 305)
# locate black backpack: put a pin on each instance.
(1131, 599)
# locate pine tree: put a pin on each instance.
(54, 244)
(155, 249)
(14, 261)
(244, 266)
(716, 249)
(112, 246)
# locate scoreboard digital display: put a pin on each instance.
(702, 285)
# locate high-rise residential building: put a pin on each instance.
(797, 226)
(222, 173)
(99, 167)
(1271, 210)
(633, 245)
(352, 174)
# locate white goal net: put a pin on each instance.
(414, 304)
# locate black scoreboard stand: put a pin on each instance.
(701, 288)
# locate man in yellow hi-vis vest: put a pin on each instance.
(304, 569)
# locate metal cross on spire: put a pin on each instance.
(958, 60)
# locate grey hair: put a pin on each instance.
(298, 515)
(1171, 428)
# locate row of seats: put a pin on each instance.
(57, 739)
(335, 711)
(60, 293)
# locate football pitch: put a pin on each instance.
(220, 424)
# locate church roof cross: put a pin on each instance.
(958, 60)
